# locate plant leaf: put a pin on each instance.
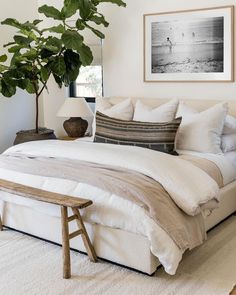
(73, 64)
(72, 39)
(54, 42)
(97, 33)
(99, 20)
(15, 48)
(117, 2)
(70, 8)
(50, 11)
(22, 83)
(37, 21)
(86, 55)
(30, 88)
(12, 22)
(46, 53)
(22, 40)
(58, 80)
(29, 34)
(7, 90)
(3, 58)
(86, 9)
(80, 24)
(30, 54)
(3, 68)
(58, 66)
(25, 26)
(57, 29)
(44, 73)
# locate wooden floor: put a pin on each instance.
(233, 291)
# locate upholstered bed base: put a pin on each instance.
(115, 245)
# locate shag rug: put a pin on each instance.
(29, 266)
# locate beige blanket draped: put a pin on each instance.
(187, 231)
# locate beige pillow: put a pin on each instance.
(201, 132)
(164, 113)
(123, 110)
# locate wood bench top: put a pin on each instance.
(43, 195)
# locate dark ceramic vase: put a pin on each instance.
(75, 127)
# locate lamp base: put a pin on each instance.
(75, 127)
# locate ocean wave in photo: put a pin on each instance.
(193, 46)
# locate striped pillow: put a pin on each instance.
(155, 136)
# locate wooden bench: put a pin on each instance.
(64, 202)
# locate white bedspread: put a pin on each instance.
(226, 163)
(188, 185)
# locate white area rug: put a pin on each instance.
(29, 266)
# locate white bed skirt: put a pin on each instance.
(115, 245)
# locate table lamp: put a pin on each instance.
(75, 108)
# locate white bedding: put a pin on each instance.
(226, 163)
(231, 157)
(188, 185)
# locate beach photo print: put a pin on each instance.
(191, 46)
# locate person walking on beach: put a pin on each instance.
(169, 44)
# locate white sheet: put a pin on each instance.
(180, 178)
(226, 163)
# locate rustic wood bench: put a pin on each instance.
(64, 202)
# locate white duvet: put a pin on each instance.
(189, 186)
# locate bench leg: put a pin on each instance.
(1, 227)
(87, 243)
(65, 243)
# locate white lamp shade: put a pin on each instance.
(75, 107)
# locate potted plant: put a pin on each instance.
(58, 51)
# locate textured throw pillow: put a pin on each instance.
(201, 132)
(156, 136)
(163, 113)
(228, 143)
(123, 110)
(230, 125)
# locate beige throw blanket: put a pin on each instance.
(187, 231)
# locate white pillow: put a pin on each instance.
(230, 125)
(185, 110)
(201, 132)
(228, 143)
(163, 113)
(123, 110)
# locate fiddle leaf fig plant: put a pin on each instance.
(58, 51)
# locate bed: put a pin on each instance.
(118, 244)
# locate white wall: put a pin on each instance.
(123, 53)
(123, 58)
(16, 113)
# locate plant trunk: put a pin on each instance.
(37, 114)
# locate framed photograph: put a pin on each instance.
(189, 46)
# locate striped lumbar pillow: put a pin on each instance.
(156, 136)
